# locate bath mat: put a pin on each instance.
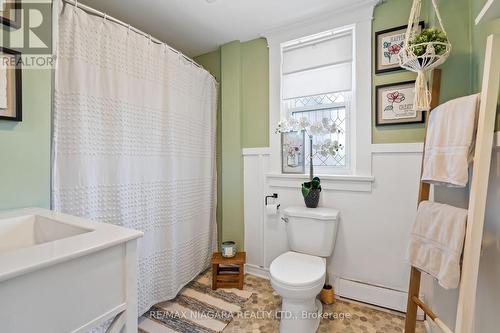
(196, 309)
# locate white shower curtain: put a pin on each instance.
(134, 144)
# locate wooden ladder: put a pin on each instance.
(477, 201)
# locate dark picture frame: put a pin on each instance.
(15, 20)
(399, 96)
(395, 35)
(11, 60)
(296, 141)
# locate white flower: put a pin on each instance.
(304, 123)
(316, 129)
(328, 147)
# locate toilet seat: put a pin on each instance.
(298, 270)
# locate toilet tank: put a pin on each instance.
(311, 230)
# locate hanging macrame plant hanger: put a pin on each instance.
(421, 57)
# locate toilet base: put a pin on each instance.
(300, 316)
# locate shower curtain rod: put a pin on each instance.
(140, 32)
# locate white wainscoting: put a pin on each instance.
(376, 214)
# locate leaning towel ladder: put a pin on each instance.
(477, 202)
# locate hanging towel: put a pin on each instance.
(437, 241)
(450, 142)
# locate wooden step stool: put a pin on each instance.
(228, 272)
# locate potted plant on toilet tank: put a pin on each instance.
(311, 190)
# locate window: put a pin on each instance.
(315, 109)
(317, 80)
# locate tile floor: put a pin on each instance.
(356, 318)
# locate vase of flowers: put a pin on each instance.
(311, 190)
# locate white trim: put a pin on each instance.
(256, 151)
(328, 182)
(323, 177)
(496, 142)
(397, 148)
(257, 271)
(374, 295)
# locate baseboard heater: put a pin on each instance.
(371, 294)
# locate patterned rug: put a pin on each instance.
(196, 309)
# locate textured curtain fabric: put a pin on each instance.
(134, 144)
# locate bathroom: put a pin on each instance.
(158, 164)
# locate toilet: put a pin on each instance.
(299, 274)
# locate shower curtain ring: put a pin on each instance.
(129, 27)
(76, 5)
(105, 17)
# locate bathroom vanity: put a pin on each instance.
(61, 274)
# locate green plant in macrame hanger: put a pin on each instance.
(423, 51)
(436, 37)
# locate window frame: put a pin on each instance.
(359, 18)
(349, 138)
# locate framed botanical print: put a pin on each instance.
(10, 13)
(10, 85)
(388, 44)
(394, 104)
(293, 152)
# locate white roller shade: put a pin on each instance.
(318, 67)
(318, 81)
(317, 54)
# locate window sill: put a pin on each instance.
(328, 182)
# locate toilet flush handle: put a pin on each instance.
(285, 219)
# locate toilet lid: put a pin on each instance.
(298, 269)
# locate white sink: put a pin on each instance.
(53, 263)
(30, 230)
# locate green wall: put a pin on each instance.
(232, 163)
(456, 71)
(242, 70)
(25, 147)
(211, 62)
(255, 94)
(390, 14)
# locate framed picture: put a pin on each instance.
(388, 44)
(394, 104)
(293, 153)
(10, 13)
(10, 85)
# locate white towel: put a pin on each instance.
(437, 241)
(450, 140)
